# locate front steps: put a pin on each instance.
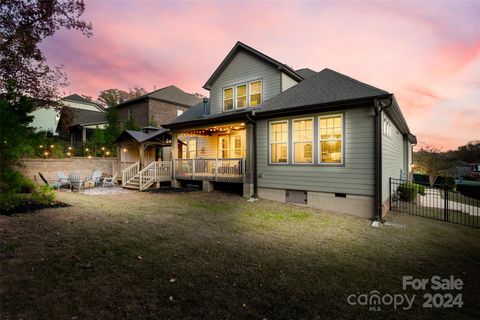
(134, 183)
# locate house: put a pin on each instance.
(158, 107)
(47, 119)
(320, 139)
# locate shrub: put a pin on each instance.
(469, 190)
(408, 191)
(44, 195)
(421, 189)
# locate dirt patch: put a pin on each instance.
(30, 206)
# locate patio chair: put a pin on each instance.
(110, 182)
(96, 176)
(55, 185)
(76, 182)
(62, 180)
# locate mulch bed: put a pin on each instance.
(31, 206)
(171, 190)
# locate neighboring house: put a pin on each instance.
(46, 119)
(85, 116)
(320, 139)
(160, 106)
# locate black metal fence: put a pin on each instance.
(437, 202)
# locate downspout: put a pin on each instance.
(379, 106)
(254, 154)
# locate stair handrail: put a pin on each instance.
(130, 172)
(145, 174)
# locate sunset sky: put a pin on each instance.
(426, 53)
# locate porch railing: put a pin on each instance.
(213, 169)
(146, 177)
(130, 172)
(119, 166)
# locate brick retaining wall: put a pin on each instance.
(49, 167)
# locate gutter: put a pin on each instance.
(379, 106)
(254, 155)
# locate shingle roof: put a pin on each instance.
(77, 98)
(170, 94)
(84, 117)
(241, 46)
(327, 86)
(140, 136)
(306, 73)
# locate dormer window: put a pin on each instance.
(227, 99)
(241, 96)
(255, 93)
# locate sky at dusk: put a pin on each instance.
(426, 53)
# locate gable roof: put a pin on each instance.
(77, 98)
(326, 86)
(171, 94)
(87, 117)
(306, 73)
(241, 46)
(140, 136)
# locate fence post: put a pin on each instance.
(390, 193)
(445, 202)
(193, 169)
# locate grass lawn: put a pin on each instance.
(214, 256)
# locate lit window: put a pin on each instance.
(236, 146)
(189, 150)
(192, 148)
(223, 147)
(279, 142)
(179, 112)
(228, 99)
(241, 93)
(302, 140)
(331, 132)
(255, 93)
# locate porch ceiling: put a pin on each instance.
(208, 131)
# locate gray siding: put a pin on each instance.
(355, 177)
(244, 67)
(287, 82)
(393, 156)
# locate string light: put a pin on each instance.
(89, 157)
(107, 153)
(86, 149)
(51, 146)
(103, 148)
(69, 148)
(68, 153)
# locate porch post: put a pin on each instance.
(141, 155)
(175, 182)
(248, 174)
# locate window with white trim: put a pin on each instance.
(279, 142)
(228, 99)
(223, 147)
(236, 146)
(189, 149)
(387, 128)
(330, 139)
(302, 140)
(179, 112)
(241, 94)
(255, 93)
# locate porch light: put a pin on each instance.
(242, 124)
(124, 149)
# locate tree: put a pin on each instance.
(131, 124)
(24, 24)
(113, 97)
(113, 129)
(470, 152)
(432, 162)
(136, 91)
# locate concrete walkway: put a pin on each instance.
(433, 199)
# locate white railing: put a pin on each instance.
(164, 171)
(147, 176)
(119, 166)
(216, 169)
(130, 172)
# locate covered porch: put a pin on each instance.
(217, 153)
